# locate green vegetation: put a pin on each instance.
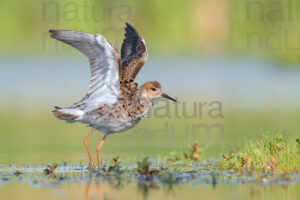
(193, 154)
(36, 137)
(263, 159)
(143, 169)
(256, 28)
(269, 162)
(50, 169)
(114, 168)
(269, 155)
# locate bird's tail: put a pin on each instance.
(69, 114)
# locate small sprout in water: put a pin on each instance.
(143, 168)
(193, 154)
(116, 162)
(17, 173)
(115, 167)
(50, 170)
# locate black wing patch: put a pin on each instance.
(133, 45)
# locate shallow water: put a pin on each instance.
(183, 182)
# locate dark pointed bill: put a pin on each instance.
(168, 97)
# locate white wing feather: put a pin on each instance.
(104, 85)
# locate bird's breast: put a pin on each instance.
(120, 117)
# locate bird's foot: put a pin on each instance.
(99, 167)
(91, 165)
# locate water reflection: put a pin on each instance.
(78, 183)
(99, 191)
(94, 190)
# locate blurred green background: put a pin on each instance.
(227, 28)
(243, 54)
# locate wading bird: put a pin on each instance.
(114, 102)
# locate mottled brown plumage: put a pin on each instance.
(114, 102)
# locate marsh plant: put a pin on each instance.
(194, 153)
(115, 167)
(50, 169)
(50, 172)
(269, 155)
(144, 169)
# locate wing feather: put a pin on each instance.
(133, 53)
(104, 66)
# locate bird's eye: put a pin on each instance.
(153, 89)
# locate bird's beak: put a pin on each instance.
(168, 97)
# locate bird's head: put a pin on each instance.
(152, 90)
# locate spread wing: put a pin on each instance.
(104, 66)
(133, 53)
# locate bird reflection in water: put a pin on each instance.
(89, 195)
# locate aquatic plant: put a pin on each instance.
(269, 155)
(18, 173)
(50, 169)
(144, 170)
(194, 152)
(115, 168)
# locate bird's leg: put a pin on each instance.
(91, 163)
(98, 152)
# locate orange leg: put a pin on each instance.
(98, 152)
(91, 164)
